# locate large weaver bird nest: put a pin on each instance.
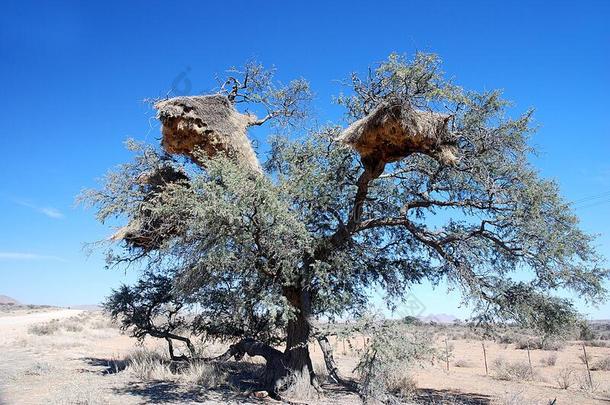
(393, 132)
(209, 124)
(146, 231)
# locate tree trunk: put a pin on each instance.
(331, 365)
(295, 360)
(298, 360)
(275, 369)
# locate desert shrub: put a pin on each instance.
(554, 345)
(383, 362)
(549, 360)
(470, 335)
(585, 332)
(42, 329)
(538, 344)
(403, 385)
(463, 363)
(597, 343)
(507, 338)
(585, 384)
(72, 326)
(565, 378)
(103, 323)
(511, 371)
(602, 364)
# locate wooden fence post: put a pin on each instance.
(485, 358)
(447, 353)
(529, 359)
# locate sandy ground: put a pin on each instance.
(74, 365)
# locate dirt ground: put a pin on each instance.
(73, 361)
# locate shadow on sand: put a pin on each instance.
(430, 396)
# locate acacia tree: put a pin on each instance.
(264, 255)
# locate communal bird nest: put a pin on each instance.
(207, 124)
(393, 132)
(146, 230)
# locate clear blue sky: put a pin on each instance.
(74, 76)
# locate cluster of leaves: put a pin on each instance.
(150, 308)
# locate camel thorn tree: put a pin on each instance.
(424, 181)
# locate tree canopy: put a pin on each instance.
(266, 256)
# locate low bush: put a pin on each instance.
(538, 344)
(602, 364)
(565, 378)
(403, 386)
(462, 363)
(597, 343)
(42, 329)
(511, 371)
(549, 361)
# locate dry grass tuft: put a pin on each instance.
(403, 385)
(42, 329)
(151, 365)
(203, 375)
(549, 361)
(462, 363)
(148, 365)
(512, 371)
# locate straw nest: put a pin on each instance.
(145, 231)
(393, 132)
(209, 124)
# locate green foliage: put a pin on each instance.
(585, 332)
(149, 308)
(240, 245)
(392, 348)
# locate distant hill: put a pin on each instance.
(6, 300)
(438, 318)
